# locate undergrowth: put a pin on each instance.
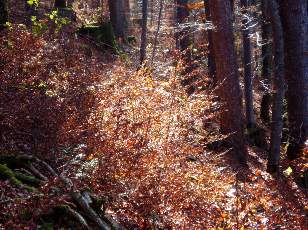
(128, 135)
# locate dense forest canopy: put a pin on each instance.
(153, 114)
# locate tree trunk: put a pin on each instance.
(295, 25)
(266, 65)
(161, 6)
(143, 45)
(3, 13)
(227, 74)
(182, 36)
(211, 61)
(250, 118)
(278, 84)
(118, 17)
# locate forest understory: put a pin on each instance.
(82, 123)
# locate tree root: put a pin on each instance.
(89, 204)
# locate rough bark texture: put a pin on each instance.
(227, 74)
(3, 13)
(211, 60)
(278, 84)
(182, 36)
(118, 17)
(143, 45)
(295, 26)
(160, 14)
(250, 118)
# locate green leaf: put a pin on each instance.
(30, 2)
(288, 171)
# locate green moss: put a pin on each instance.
(103, 34)
(7, 174)
(27, 179)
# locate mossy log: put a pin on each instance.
(28, 179)
(8, 174)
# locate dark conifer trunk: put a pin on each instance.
(227, 74)
(295, 26)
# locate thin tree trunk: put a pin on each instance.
(3, 13)
(227, 74)
(295, 25)
(161, 6)
(182, 36)
(143, 45)
(250, 118)
(266, 65)
(152, 12)
(278, 84)
(211, 61)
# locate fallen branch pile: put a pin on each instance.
(25, 171)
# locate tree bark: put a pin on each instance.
(278, 84)
(182, 36)
(211, 61)
(227, 74)
(250, 118)
(266, 65)
(3, 13)
(295, 26)
(161, 6)
(143, 45)
(118, 17)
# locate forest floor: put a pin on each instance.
(132, 136)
